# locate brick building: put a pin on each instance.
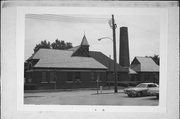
(147, 70)
(73, 68)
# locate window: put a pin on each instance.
(93, 76)
(29, 77)
(118, 76)
(141, 85)
(109, 76)
(69, 77)
(152, 85)
(52, 77)
(146, 77)
(77, 77)
(44, 77)
(98, 78)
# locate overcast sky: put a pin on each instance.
(144, 32)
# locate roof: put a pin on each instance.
(144, 64)
(106, 61)
(82, 49)
(51, 58)
(147, 83)
(131, 71)
(74, 48)
(84, 41)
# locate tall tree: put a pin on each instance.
(43, 44)
(155, 58)
(57, 44)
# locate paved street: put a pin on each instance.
(88, 97)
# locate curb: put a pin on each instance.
(68, 90)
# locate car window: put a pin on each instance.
(141, 86)
(151, 85)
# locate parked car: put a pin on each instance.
(154, 91)
(141, 89)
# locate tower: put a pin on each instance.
(83, 49)
(124, 47)
(85, 44)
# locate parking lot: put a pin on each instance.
(87, 97)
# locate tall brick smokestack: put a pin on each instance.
(124, 47)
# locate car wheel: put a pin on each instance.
(139, 94)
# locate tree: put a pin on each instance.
(155, 58)
(57, 44)
(43, 44)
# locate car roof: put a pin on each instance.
(148, 83)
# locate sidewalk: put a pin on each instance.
(120, 90)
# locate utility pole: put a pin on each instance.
(114, 50)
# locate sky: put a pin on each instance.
(143, 32)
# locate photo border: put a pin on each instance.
(20, 35)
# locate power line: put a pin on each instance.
(67, 18)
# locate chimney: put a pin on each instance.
(124, 47)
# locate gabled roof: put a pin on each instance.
(144, 64)
(106, 61)
(51, 58)
(84, 41)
